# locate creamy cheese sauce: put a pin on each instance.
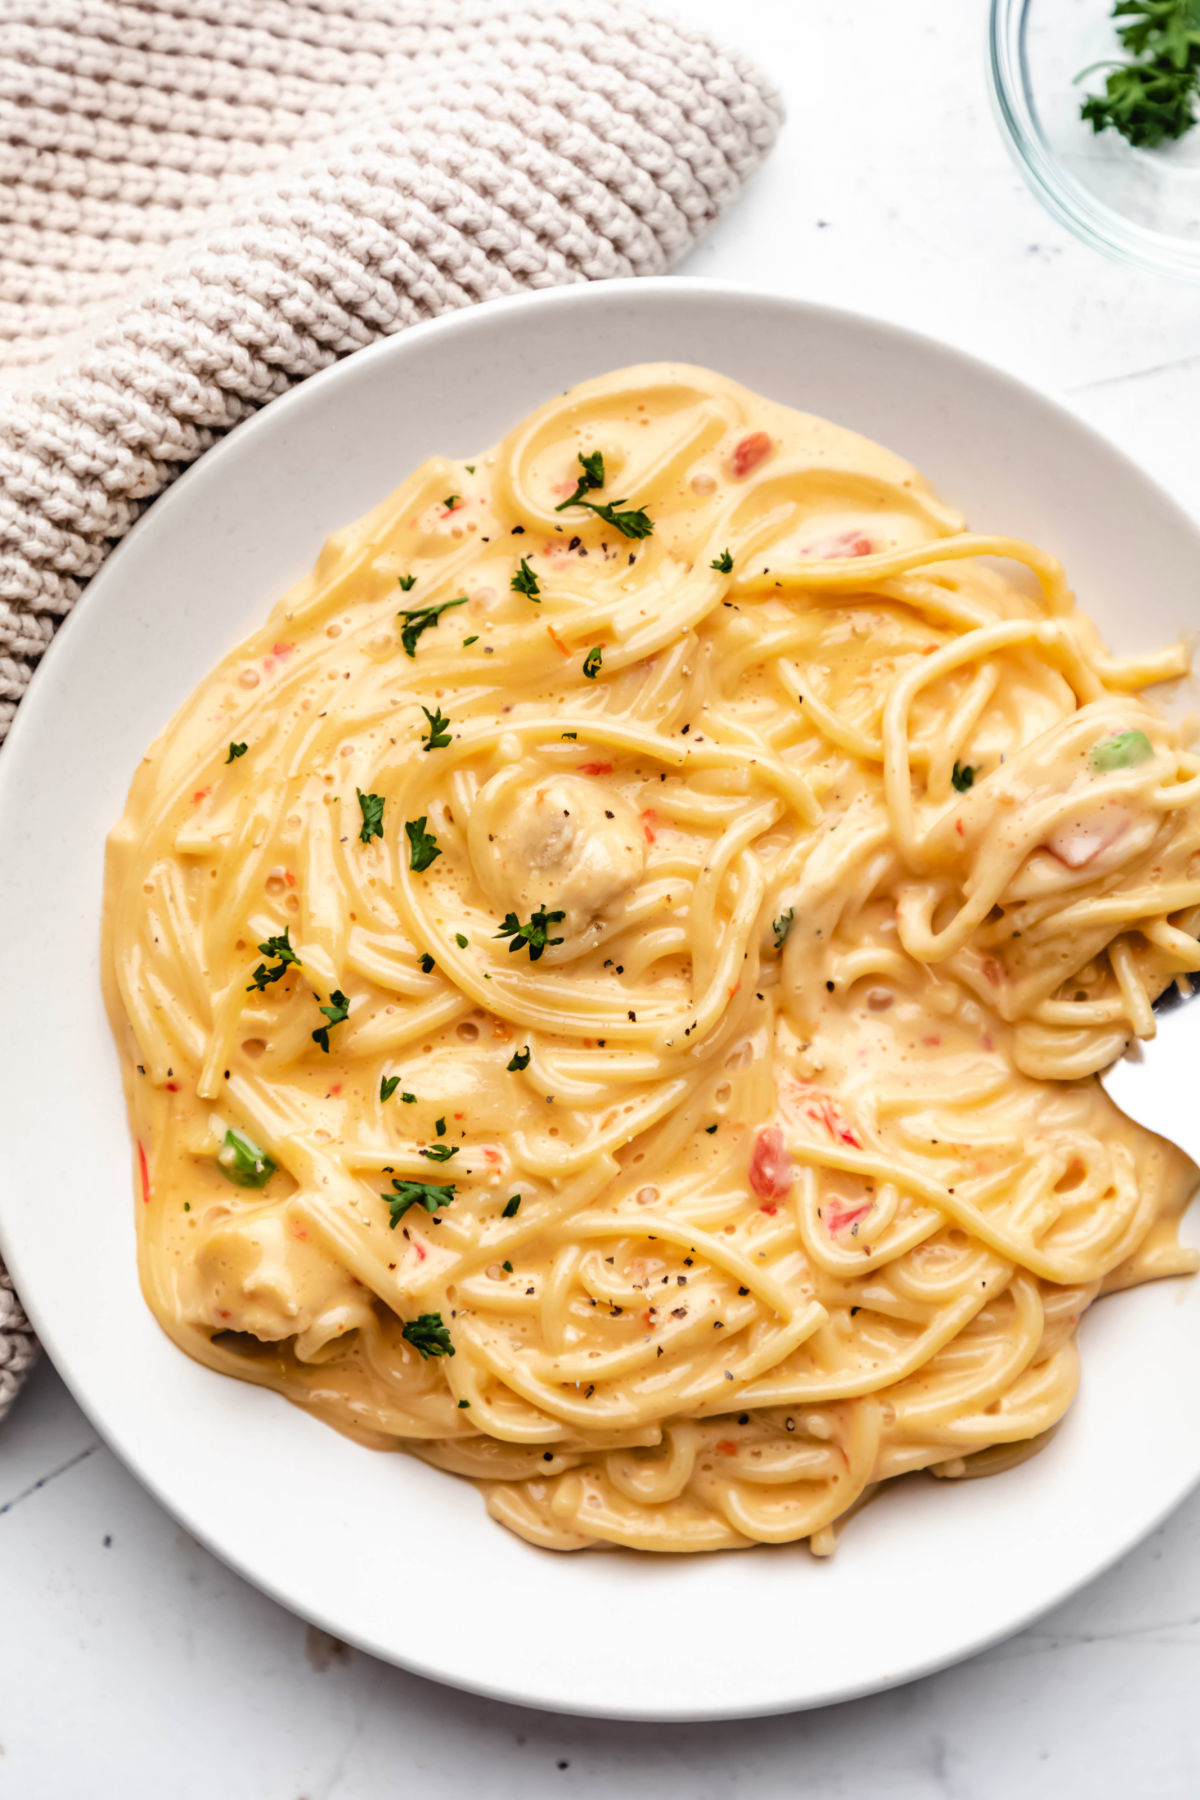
(722, 877)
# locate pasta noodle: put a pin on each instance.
(610, 979)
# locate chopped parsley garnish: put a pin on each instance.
(236, 750)
(1123, 750)
(1152, 97)
(592, 661)
(592, 477)
(533, 935)
(469, 467)
(467, 642)
(279, 947)
(428, 1335)
(511, 1210)
(407, 583)
(519, 1060)
(371, 806)
(507, 1267)
(243, 1163)
(337, 1012)
(723, 564)
(632, 524)
(463, 1403)
(387, 1086)
(526, 582)
(427, 964)
(782, 926)
(709, 1129)
(421, 618)
(962, 777)
(439, 1125)
(440, 1152)
(416, 1193)
(461, 940)
(423, 849)
(439, 737)
(573, 735)
(451, 501)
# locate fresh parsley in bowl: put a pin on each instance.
(1150, 95)
(1098, 103)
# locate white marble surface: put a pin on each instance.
(132, 1664)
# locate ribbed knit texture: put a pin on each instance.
(204, 201)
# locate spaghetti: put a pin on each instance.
(610, 978)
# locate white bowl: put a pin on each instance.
(393, 1556)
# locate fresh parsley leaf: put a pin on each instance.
(337, 1012)
(632, 524)
(387, 1086)
(423, 849)
(709, 1129)
(782, 926)
(407, 583)
(510, 1211)
(451, 501)
(533, 935)
(469, 467)
(409, 1099)
(463, 1403)
(236, 750)
(723, 564)
(279, 947)
(1150, 99)
(439, 737)
(467, 642)
(573, 735)
(428, 1335)
(507, 1267)
(427, 964)
(440, 1152)
(243, 1163)
(526, 582)
(460, 939)
(421, 618)
(519, 1060)
(439, 1125)
(962, 777)
(592, 661)
(371, 806)
(416, 1193)
(592, 477)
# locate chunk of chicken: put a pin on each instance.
(254, 1274)
(569, 844)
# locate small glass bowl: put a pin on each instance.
(1142, 206)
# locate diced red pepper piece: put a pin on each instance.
(838, 1216)
(771, 1169)
(821, 1108)
(748, 453)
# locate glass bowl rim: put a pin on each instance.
(1065, 198)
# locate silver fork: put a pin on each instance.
(1157, 1081)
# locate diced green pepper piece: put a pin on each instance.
(1123, 750)
(243, 1163)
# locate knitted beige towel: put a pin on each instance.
(204, 201)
